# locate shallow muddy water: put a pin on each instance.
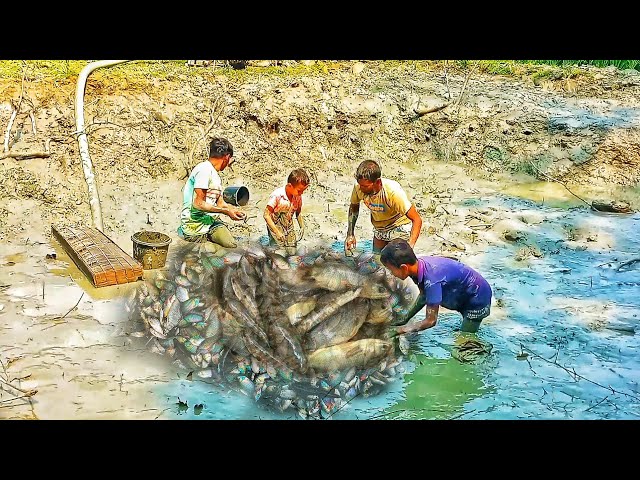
(563, 330)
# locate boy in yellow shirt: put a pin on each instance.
(283, 204)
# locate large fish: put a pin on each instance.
(338, 277)
(298, 310)
(295, 347)
(340, 327)
(259, 350)
(335, 276)
(313, 319)
(294, 280)
(358, 354)
(381, 311)
(245, 298)
(241, 313)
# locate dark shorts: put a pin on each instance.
(471, 318)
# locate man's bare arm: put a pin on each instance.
(416, 225)
(354, 211)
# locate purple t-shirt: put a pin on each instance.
(452, 284)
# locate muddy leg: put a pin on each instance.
(222, 236)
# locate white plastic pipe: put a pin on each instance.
(83, 144)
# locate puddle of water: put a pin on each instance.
(547, 193)
(15, 258)
(52, 287)
(56, 296)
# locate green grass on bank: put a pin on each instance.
(620, 64)
(173, 69)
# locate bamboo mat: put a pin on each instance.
(97, 256)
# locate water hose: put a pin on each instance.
(83, 144)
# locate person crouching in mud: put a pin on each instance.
(441, 281)
(283, 205)
(203, 200)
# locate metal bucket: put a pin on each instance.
(150, 249)
(238, 196)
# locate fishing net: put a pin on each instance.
(307, 332)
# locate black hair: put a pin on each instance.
(398, 252)
(368, 170)
(219, 147)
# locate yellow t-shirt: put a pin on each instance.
(388, 207)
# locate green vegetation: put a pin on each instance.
(170, 69)
(620, 64)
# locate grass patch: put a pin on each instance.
(57, 70)
(620, 64)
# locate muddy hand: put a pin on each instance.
(279, 236)
(236, 214)
(349, 244)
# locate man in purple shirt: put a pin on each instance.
(442, 281)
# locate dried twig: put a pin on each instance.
(60, 318)
(7, 135)
(33, 122)
(576, 375)
(594, 406)
(481, 225)
(105, 122)
(445, 210)
(446, 80)
(464, 86)
(27, 155)
(73, 308)
(423, 111)
(13, 399)
(214, 118)
(27, 393)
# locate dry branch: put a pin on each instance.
(424, 110)
(27, 155)
(26, 393)
(7, 135)
(33, 122)
(466, 80)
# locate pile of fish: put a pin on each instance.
(307, 332)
